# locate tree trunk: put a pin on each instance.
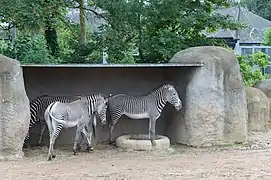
(51, 34)
(83, 37)
(140, 32)
(51, 38)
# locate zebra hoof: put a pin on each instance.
(49, 158)
(89, 149)
(27, 146)
(78, 148)
(111, 143)
(74, 152)
(53, 156)
(153, 144)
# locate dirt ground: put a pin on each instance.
(111, 163)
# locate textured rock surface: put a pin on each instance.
(124, 141)
(215, 109)
(265, 86)
(14, 109)
(258, 110)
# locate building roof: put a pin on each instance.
(254, 33)
(143, 65)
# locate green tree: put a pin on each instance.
(251, 67)
(28, 50)
(267, 37)
(34, 16)
(158, 28)
(259, 7)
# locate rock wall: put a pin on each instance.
(258, 110)
(265, 86)
(215, 109)
(14, 109)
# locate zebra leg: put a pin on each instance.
(43, 127)
(111, 128)
(54, 136)
(26, 141)
(150, 120)
(50, 149)
(81, 141)
(88, 135)
(77, 135)
(114, 117)
(152, 123)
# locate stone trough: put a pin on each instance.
(141, 142)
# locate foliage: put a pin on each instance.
(267, 37)
(251, 67)
(4, 48)
(72, 51)
(159, 28)
(259, 7)
(30, 15)
(84, 53)
(27, 49)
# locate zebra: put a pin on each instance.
(77, 113)
(37, 109)
(139, 107)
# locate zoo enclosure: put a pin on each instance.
(85, 79)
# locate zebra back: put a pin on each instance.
(138, 104)
(40, 103)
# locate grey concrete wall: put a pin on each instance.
(85, 81)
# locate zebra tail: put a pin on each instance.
(94, 129)
(47, 116)
(51, 115)
(94, 122)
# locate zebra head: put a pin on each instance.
(101, 109)
(172, 97)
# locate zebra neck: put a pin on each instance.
(161, 104)
(160, 101)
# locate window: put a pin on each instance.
(247, 50)
(268, 51)
(267, 70)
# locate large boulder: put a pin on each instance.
(215, 109)
(14, 109)
(265, 86)
(258, 110)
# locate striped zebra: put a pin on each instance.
(37, 109)
(139, 107)
(78, 113)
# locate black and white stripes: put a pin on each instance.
(37, 109)
(139, 107)
(78, 113)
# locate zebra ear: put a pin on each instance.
(109, 96)
(106, 100)
(170, 88)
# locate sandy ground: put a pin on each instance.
(111, 163)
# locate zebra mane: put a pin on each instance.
(160, 88)
(96, 96)
(164, 86)
(38, 98)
